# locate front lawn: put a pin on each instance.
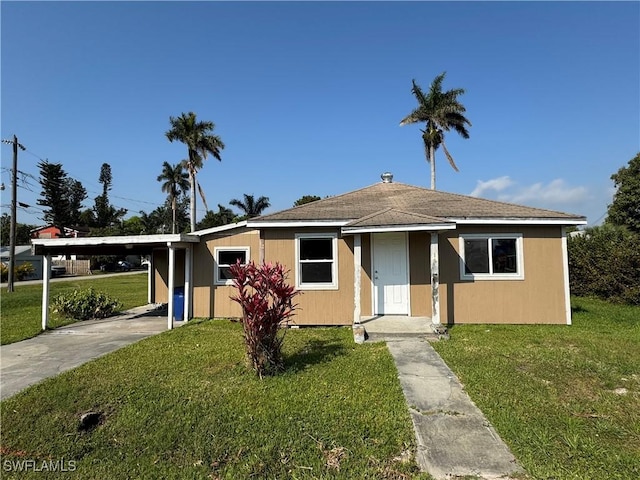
(566, 399)
(182, 405)
(21, 310)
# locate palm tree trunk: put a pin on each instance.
(192, 186)
(432, 162)
(173, 211)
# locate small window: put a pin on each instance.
(316, 260)
(225, 257)
(491, 257)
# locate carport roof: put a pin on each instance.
(117, 245)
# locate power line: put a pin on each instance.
(127, 199)
(58, 183)
(85, 182)
(35, 155)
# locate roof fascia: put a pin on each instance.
(297, 223)
(221, 228)
(444, 226)
(518, 221)
(400, 228)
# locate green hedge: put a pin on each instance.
(604, 262)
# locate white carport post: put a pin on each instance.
(46, 275)
(171, 285)
(357, 267)
(150, 273)
(435, 280)
(188, 259)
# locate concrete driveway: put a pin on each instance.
(28, 362)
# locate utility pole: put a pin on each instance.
(14, 204)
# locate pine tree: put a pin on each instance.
(55, 195)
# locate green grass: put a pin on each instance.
(182, 405)
(21, 310)
(550, 390)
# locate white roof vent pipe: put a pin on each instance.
(387, 177)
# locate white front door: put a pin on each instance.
(390, 274)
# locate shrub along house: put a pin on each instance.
(386, 249)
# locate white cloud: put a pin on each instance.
(497, 184)
(556, 192)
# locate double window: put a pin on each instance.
(225, 257)
(491, 257)
(316, 261)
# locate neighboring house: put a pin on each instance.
(23, 255)
(50, 231)
(386, 249)
(396, 249)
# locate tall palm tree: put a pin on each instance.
(175, 181)
(441, 112)
(250, 206)
(200, 141)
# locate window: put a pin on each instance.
(491, 257)
(225, 257)
(316, 261)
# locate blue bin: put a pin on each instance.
(178, 303)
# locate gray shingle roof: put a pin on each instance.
(392, 216)
(399, 204)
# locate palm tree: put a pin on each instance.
(441, 112)
(175, 181)
(250, 206)
(200, 142)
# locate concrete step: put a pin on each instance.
(391, 336)
(391, 332)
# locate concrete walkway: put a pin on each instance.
(25, 363)
(454, 437)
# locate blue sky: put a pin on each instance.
(308, 96)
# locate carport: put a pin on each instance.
(151, 245)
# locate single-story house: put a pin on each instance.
(23, 255)
(386, 249)
(51, 231)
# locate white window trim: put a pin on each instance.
(223, 281)
(493, 276)
(334, 267)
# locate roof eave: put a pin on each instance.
(222, 228)
(435, 227)
(518, 221)
(297, 223)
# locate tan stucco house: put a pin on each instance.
(386, 249)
